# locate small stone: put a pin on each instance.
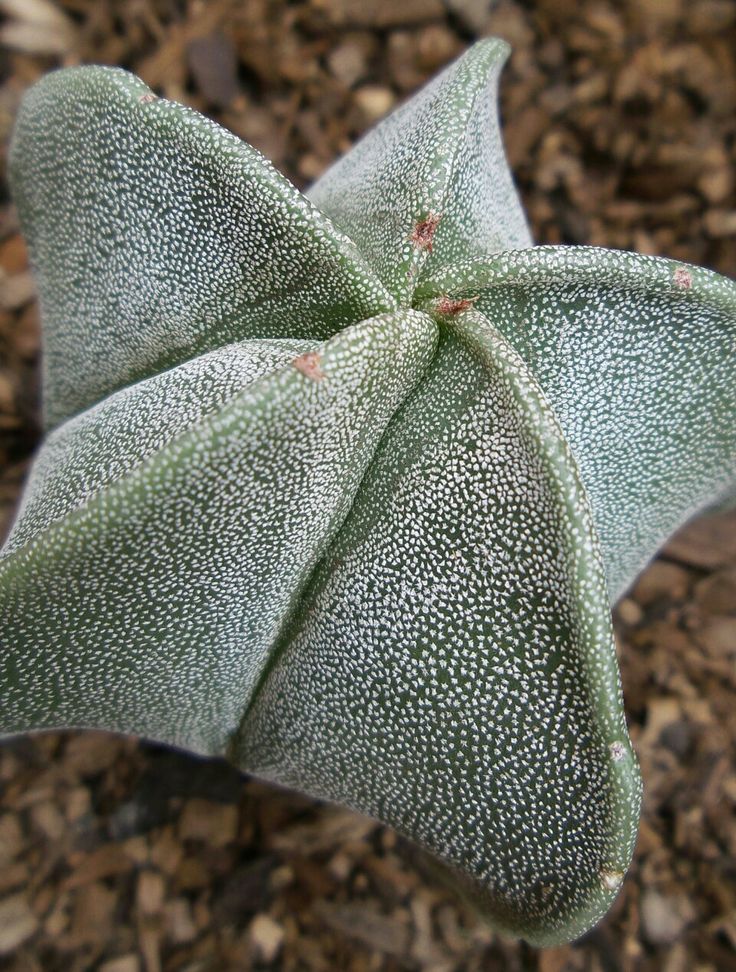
(677, 960)
(17, 922)
(509, 21)
(7, 393)
(47, 818)
(523, 132)
(178, 922)
(167, 852)
(267, 937)
(717, 594)
(90, 753)
(27, 338)
(659, 11)
(215, 824)
(718, 636)
(149, 945)
(11, 838)
(678, 737)
(348, 61)
(663, 918)
(720, 222)
(382, 14)
(14, 255)
(123, 963)
(106, 861)
(340, 867)
(374, 101)
(453, 934)
(661, 580)
(192, 875)
(560, 959)
(13, 876)
(281, 877)
(474, 14)
(136, 848)
(436, 46)
(93, 913)
(214, 64)
(311, 166)
(389, 934)
(629, 611)
(150, 892)
(711, 16)
(716, 185)
(16, 291)
(77, 803)
(708, 541)
(57, 920)
(403, 57)
(662, 712)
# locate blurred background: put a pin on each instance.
(620, 126)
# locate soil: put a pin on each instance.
(620, 124)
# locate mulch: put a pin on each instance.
(620, 124)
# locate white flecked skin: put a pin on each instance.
(343, 488)
(438, 155)
(177, 238)
(644, 391)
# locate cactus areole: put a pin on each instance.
(342, 485)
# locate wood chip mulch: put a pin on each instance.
(620, 122)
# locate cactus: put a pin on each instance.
(342, 485)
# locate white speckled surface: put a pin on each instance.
(157, 235)
(152, 608)
(401, 688)
(369, 568)
(440, 154)
(111, 439)
(637, 356)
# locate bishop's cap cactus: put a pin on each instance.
(342, 485)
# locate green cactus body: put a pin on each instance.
(342, 486)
